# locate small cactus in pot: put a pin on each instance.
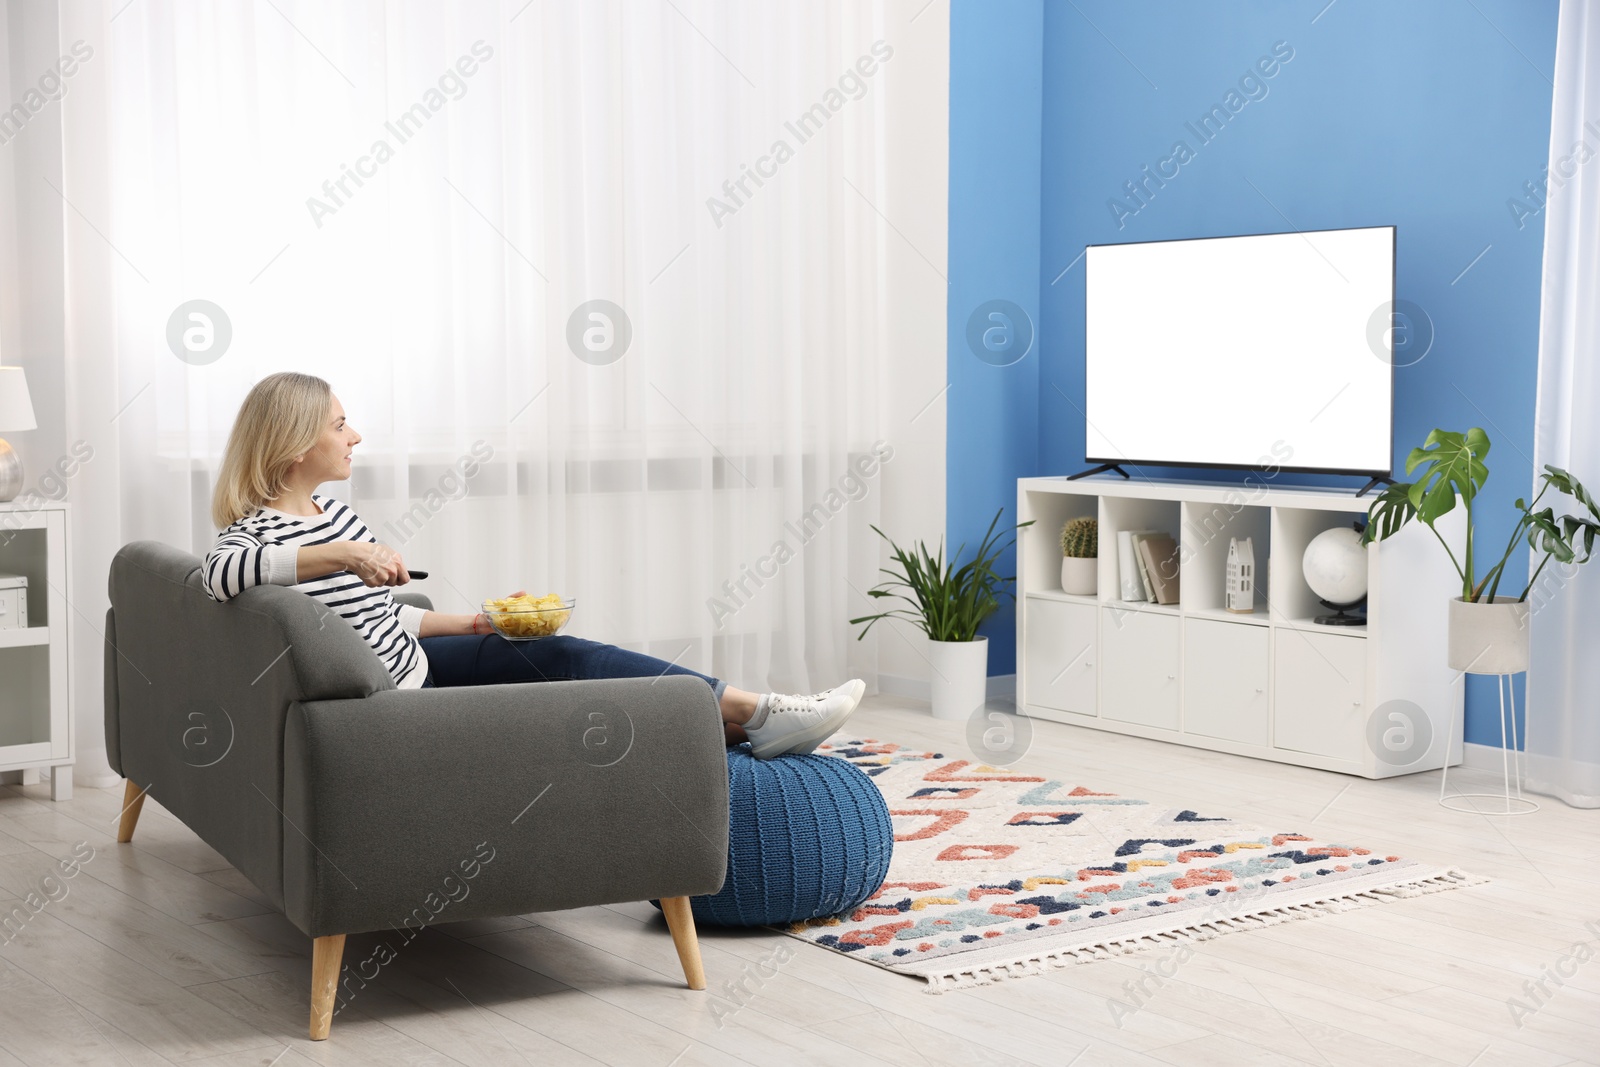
(1080, 539)
(1080, 551)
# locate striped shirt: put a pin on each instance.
(261, 549)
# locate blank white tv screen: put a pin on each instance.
(1242, 351)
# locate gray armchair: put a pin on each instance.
(274, 732)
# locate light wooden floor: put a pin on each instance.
(162, 953)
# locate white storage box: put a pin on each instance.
(13, 601)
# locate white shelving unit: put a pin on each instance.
(36, 727)
(1273, 684)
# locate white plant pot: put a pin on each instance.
(1080, 576)
(960, 677)
(1489, 638)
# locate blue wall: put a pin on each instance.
(992, 422)
(1427, 115)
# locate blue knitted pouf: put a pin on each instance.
(808, 836)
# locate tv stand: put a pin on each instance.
(1276, 683)
(1373, 483)
(1102, 469)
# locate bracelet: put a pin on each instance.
(475, 619)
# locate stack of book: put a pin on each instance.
(1147, 566)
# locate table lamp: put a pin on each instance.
(16, 413)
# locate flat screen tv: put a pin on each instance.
(1232, 352)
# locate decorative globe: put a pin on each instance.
(1335, 566)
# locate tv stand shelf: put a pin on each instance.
(1273, 684)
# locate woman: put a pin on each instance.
(290, 437)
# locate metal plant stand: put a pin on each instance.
(1510, 799)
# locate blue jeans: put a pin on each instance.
(489, 659)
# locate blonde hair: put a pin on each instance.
(281, 419)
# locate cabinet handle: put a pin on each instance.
(1171, 676)
(1088, 663)
(1259, 689)
(1355, 703)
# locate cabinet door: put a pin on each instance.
(1319, 694)
(1225, 676)
(1060, 655)
(1140, 683)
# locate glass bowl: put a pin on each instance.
(528, 620)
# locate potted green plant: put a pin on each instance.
(1080, 557)
(1488, 633)
(948, 603)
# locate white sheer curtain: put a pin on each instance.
(1563, 742)
(535, 157)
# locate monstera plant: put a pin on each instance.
(1487, 631)
(1449, 466)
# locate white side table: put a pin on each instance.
(36, 722)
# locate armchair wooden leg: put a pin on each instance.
(132, 804)
(680, 920)
(326, 955)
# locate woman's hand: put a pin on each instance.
(480, 624)
(376, 564)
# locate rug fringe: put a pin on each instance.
(1202, 931)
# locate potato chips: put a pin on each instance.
(521, 617)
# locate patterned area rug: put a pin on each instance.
(998, 874)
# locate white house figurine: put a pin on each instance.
(1241, 597)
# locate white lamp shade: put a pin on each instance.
(16, 406)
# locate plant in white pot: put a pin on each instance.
(948, 603)
(1080, 557)
(1488, 633)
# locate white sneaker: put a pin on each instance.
(798, 724)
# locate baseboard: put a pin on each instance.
(999, 687)
(1483, 757)
(1004, 687)
(892, 685)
